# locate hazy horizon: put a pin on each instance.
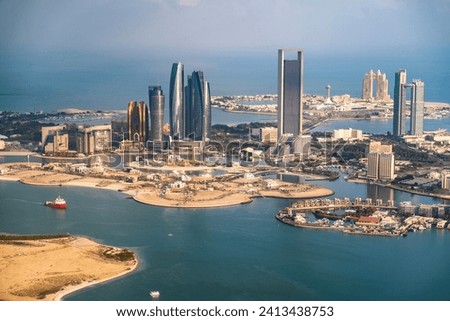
(106, 52)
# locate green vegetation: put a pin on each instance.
(7, 237)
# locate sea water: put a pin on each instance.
(238, 252)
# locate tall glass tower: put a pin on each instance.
(176, 103)
(197, 107)
(156, 99)
(290, 94)
(417, 106)
(399, 103)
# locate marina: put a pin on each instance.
(361, 217)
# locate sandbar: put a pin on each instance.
(46, 268)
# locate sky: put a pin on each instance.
(145, 27)
(211, 35)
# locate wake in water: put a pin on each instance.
(23, 201)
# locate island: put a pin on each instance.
(47, 267)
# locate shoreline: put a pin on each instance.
(230, 193)
(60, 295)
(50, 267)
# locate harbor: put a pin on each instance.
(363, 217)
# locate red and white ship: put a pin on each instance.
(57, 203)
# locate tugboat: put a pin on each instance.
(57, 203)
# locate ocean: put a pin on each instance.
(239, 252)
(51, 81)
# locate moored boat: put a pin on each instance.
(57, 203)
(154, 294)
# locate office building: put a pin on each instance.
(290, 94)
(347, 134)
(268, 135)
(54, 139)
(399, 104)
(93, 139)
(445, 179)
(176, 102)
(197, 107)
(417, 106)
(138, 122)
(386, 167)
(372, 165)
(380, 162)
(381, 92)
(156, 105)
(119, 131)
(417, 93)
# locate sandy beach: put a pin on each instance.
(169, 190)
(36, 268)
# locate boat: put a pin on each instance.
(57, 203)
(154, 294)
(441, 224)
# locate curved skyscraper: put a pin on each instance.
(156, 99)
(176, 103)
(138, 121)
(198, 107)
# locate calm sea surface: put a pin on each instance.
(239, 252)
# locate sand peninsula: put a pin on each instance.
(168, 187)
(48, 267)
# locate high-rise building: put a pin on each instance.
(156, 104)
(381, 86)
(138, 122)
(372, 165)
(417, 106)
(290, 94)
(176, 103)
(445, 179)
(93, 139)
(386, 168)
(380, 162)
(399, 103)
(55, 139)
(197, 107)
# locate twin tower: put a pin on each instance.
(189, 110)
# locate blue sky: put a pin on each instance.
(59, 53)
(151, 27)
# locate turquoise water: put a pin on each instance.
(236, 253)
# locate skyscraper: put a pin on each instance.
(176, 103)
(156, 99)
(381, 86)
(290, 94)
(197, 107)
(138, 122)
(399, 103)
(417, 105)
(380, 162)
